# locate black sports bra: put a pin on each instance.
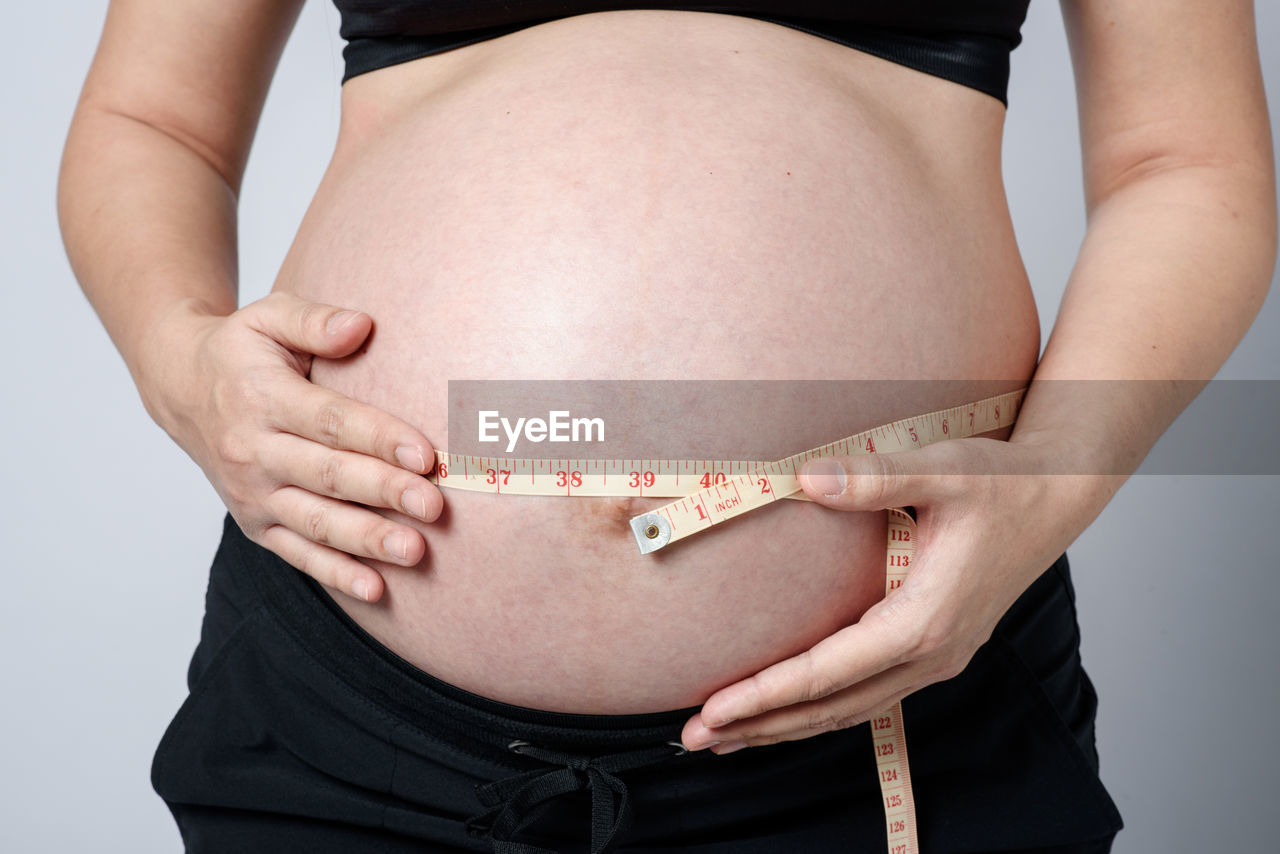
(966, 41)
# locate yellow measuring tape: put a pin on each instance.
(709, 492)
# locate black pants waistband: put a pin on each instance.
(301, 606)
(298, 715)
(575, 751)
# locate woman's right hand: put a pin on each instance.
(292, 461)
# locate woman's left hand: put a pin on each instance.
(991, 517)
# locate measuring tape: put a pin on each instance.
(887, 735)
(710, 492)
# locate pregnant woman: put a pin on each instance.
(528, 191)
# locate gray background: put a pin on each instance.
(108, 528)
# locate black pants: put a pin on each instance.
(302, 733)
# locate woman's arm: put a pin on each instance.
(1181, 240)
(147, 203)
(1177, 259)
(154, 158)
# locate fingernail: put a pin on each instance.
(415, 502)
(360, 589)
(396, 544)
(339, 320)
(826, 476)
(729, 748)
(700, 737)
(411, 458)
(722, 722)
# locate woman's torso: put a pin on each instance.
(492, 205)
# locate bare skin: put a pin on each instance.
(439, 205)
(546, 201)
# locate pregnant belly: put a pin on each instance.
(670, 196)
